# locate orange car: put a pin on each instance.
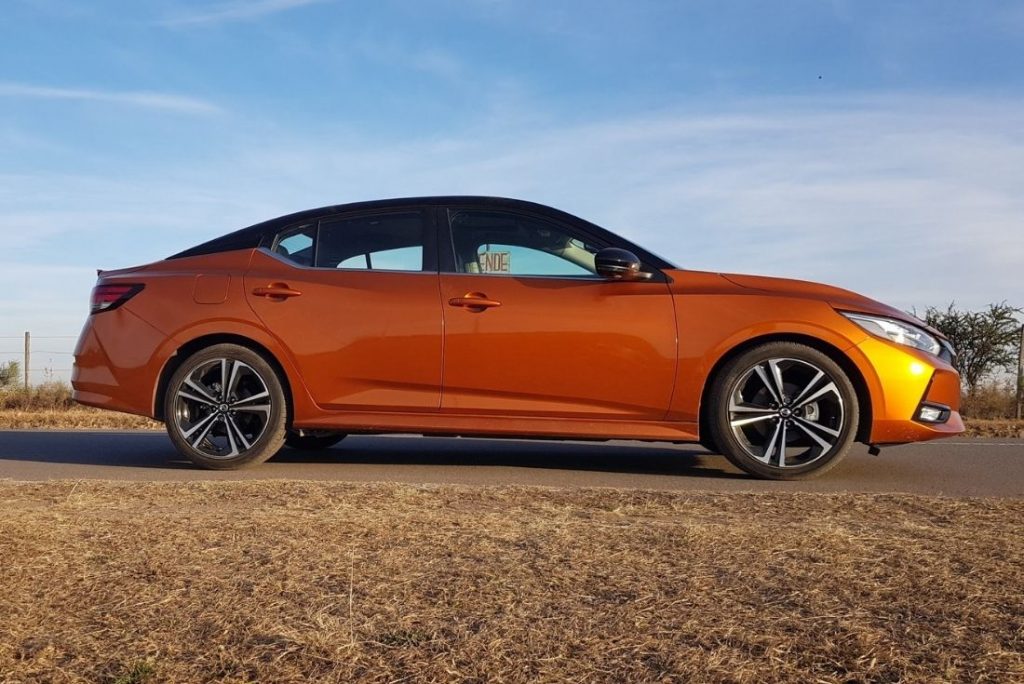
(494, 317)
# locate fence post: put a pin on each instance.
(28, 355)
(1020, 374)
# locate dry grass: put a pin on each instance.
(49, 396)
(80, 418)
(1013, 429)
(299, 582)
(50, 407)
(991, 400)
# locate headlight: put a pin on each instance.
(897, 331)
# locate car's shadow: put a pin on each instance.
(613, 457)
(154, 450)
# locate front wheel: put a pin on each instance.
(225, 408)
(783, 411)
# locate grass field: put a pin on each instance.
(299, 582)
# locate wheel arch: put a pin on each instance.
(192, 346)
(860, 386)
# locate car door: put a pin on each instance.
(532, 330)
(354, 297)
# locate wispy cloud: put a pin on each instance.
(240, 10)
(146, 99)
(389, 52)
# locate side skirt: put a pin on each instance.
(500, 426)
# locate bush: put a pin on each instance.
(990, 400)
(10, 374)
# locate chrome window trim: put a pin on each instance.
(574, 279)
(289, 262)
(588, 279)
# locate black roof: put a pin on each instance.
(253, 236)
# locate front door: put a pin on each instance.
(532, 330)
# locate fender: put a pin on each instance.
(701, 348)
(233, 327)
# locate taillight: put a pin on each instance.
(110, 296)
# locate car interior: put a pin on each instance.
(530, 243)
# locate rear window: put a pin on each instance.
(297, 244)
(388, 242)
(378, 242)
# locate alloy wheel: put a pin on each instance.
(222, 407)
(786, 412)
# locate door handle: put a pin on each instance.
(279, 291)
(474, 301)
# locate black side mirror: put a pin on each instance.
(619, 264)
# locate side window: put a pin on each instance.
(512, 244)
(296, 244)
(383, 242)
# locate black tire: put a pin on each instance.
(225, 408)
(815, 417)
(708, 443)
(313, 440)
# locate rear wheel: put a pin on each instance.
(225, 408)
(783, 411)
(313, 440)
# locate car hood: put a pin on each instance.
(839, 298)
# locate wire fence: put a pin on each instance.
(41, 358)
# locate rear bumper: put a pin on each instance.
(127, 386)
(900, 380)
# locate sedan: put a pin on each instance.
(489, 317)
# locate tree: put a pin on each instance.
(10, 374)
(985, 341)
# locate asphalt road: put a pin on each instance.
(955, 467)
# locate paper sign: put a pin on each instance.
(495, 262)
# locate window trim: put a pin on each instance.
(446, 256)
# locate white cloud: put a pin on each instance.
(240, 10)
(133, 98)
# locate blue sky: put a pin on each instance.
(878, 146)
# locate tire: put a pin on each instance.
(313, 440)
(708, 443)
(226, 408)
(802, 431)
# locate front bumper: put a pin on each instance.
(900, 380)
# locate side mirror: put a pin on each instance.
(619, 264)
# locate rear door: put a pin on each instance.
(532, 330)
(355, 299)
